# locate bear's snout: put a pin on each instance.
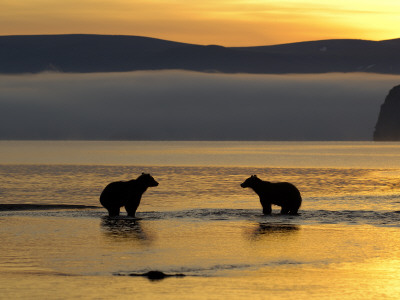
(154, 183)
(243, 185)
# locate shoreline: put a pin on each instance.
(15, 207)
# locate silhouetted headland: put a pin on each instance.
(388, 126)
(84, 53)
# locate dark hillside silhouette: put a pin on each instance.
(82, 53)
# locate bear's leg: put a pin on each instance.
(113, 211)
(131, 210)
(267, 209)
(131, 206)
(284, 210)
(266, 205)
(131, 213)
(294, 212)
(295, 208)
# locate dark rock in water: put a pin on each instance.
(156, 275)
(388, 126)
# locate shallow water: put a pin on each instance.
(236, 254)
(199, 222)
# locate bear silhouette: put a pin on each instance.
(283, 194)
(126, 193)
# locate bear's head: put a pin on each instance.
(147, 180)
(251, 181)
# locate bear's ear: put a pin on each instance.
(254, 176)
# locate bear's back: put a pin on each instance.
(283, 188)
(120, 189)
(282, 194)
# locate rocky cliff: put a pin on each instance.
(388, 126)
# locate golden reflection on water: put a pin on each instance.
(243, 153)
(122, 230)
(69, 258)
(225, 255)
(183, 188)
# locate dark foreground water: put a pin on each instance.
(57, 242)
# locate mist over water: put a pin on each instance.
(180, 105)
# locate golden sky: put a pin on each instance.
(223, 22)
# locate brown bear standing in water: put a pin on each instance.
(283, 194)
(126, 193)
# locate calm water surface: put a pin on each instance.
(198, 221)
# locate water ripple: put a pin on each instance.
(305, 217)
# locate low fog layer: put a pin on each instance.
(178, 105)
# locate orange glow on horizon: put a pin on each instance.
(226, 22)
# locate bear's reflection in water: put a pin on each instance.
(125, 229)
(273, 229)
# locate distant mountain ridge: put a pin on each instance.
(86, 53)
